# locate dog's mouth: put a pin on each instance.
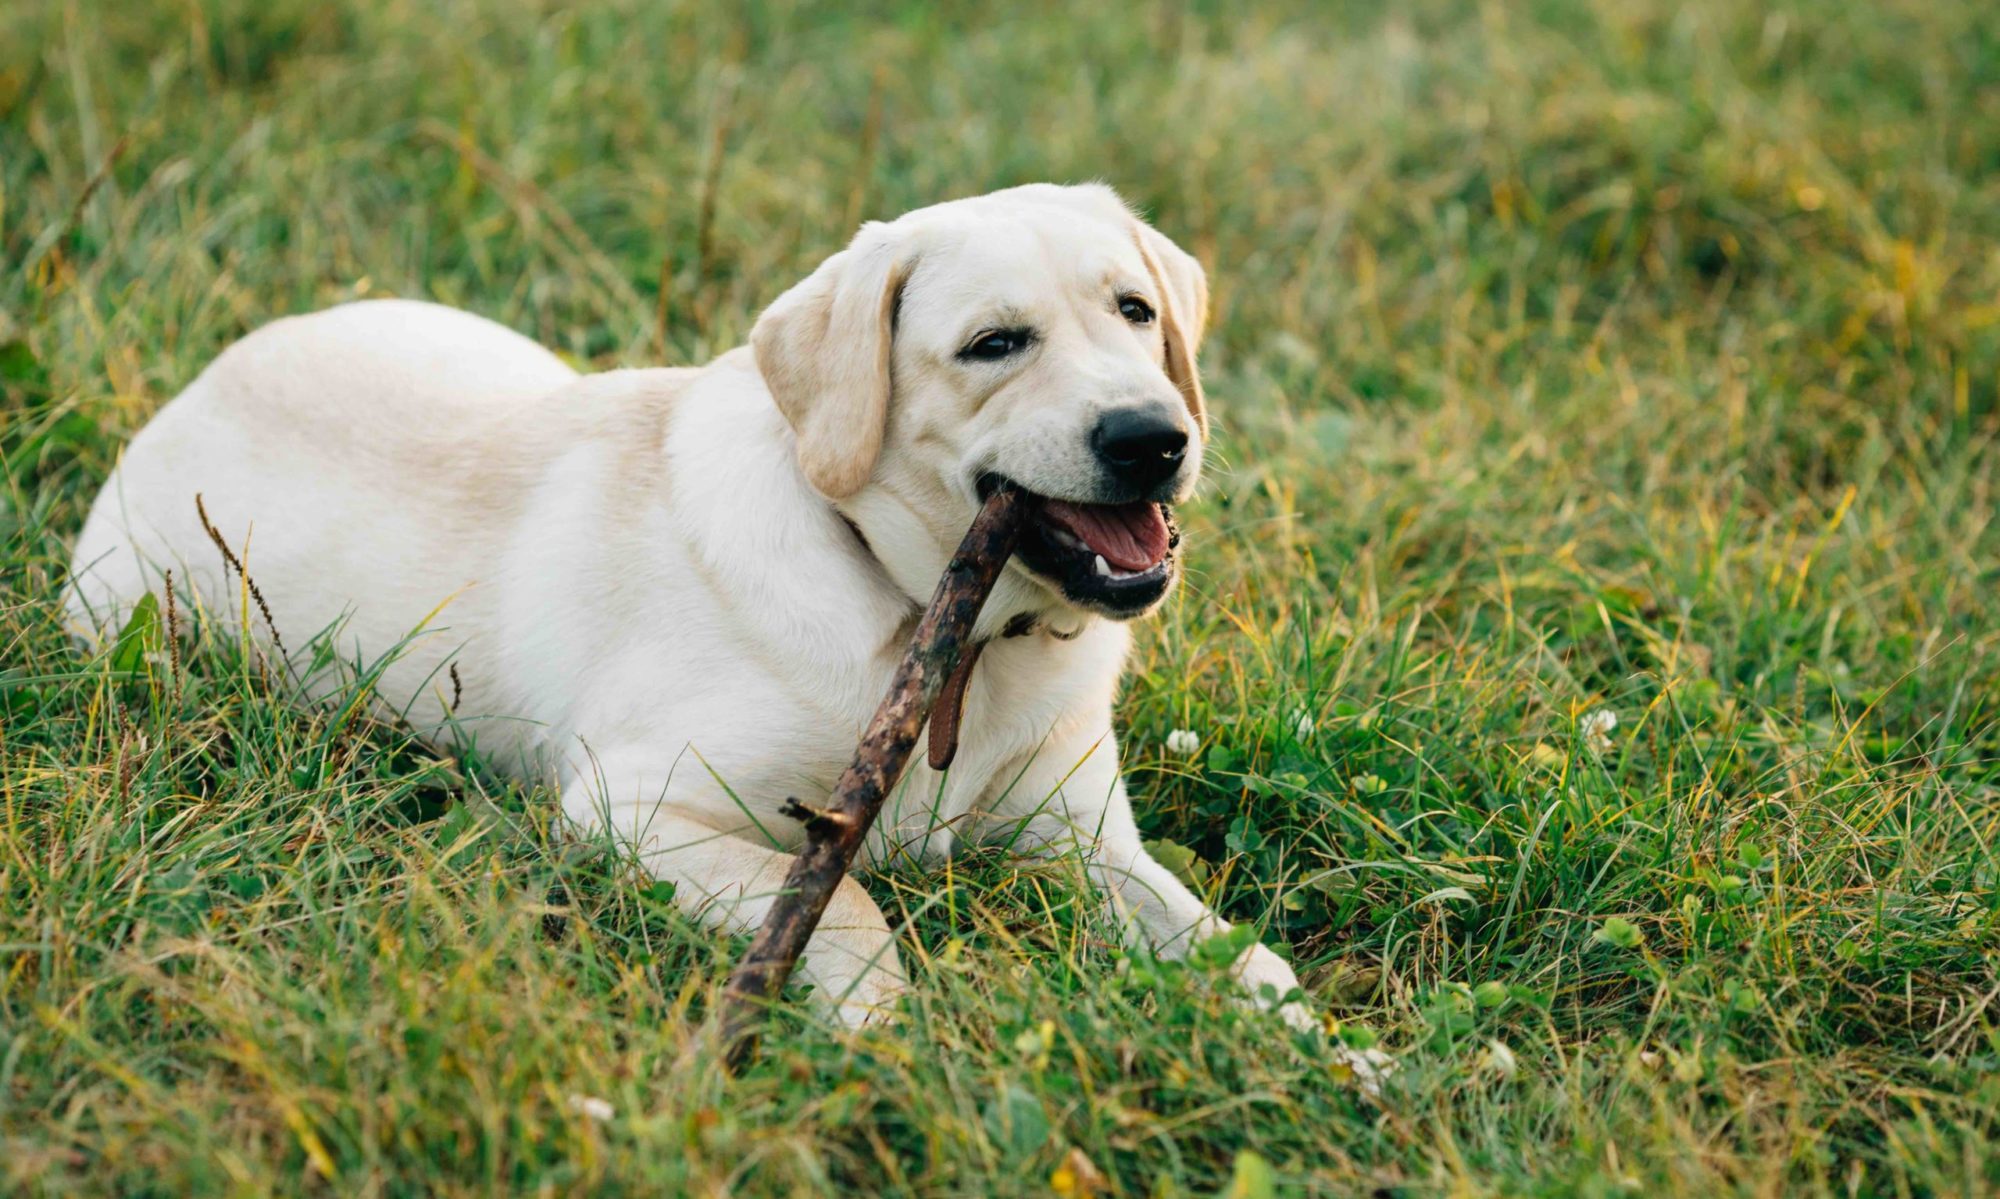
(1117, 559)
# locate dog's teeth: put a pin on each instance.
(1103, 567)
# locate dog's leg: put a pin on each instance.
(1073, 801)
(728, 882)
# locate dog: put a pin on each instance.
(680, 593)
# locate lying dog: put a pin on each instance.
(683, 591)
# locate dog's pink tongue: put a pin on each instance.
(1130, 536)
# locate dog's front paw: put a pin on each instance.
(853, 1016)
(856, 976)
(867, 1002)
(1269, 979)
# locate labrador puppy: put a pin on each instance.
(682, 592)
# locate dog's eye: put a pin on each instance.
(1136, 310)
(994, 344)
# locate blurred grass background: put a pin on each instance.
(1568, 356)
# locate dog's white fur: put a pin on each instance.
(647, 580)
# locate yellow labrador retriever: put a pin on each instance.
(683, 591)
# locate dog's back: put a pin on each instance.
(323, 434)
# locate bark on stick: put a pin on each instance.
(834, 833)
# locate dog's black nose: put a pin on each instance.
(1140, 447)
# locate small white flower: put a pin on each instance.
(1183, 742)
(1596, 726)
(1302, 725)
(591, 1107)
(1500, 1059)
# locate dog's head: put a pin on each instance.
(1040, 335)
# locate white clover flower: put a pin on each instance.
(1302, 725)
(1596, 726)
(1183, 742)
(591, 1108)
(1500, 1059)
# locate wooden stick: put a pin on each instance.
(835, 832)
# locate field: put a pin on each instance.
(1570, 358)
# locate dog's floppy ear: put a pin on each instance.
(1183, 312)
(824, 351)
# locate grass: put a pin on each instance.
(1634, 356)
